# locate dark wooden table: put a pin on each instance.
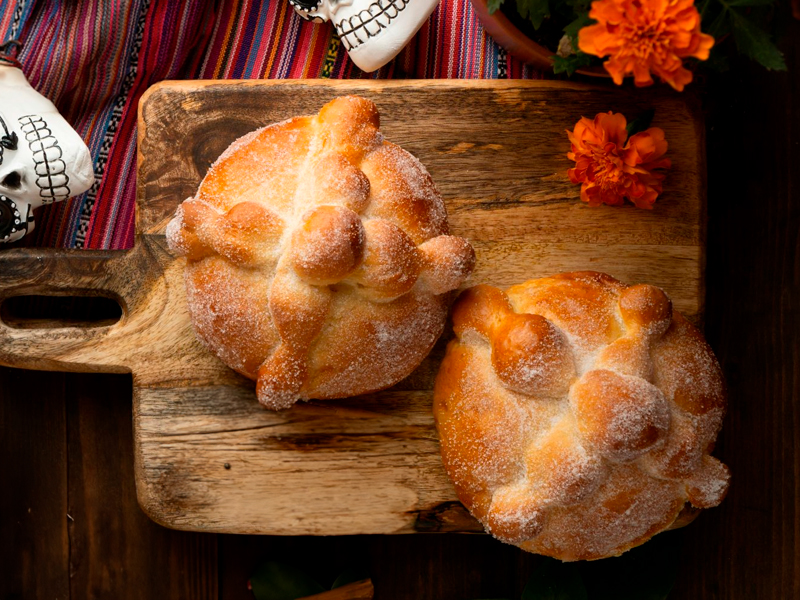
(70, 526)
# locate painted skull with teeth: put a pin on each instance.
(372, 31)
(42, 159)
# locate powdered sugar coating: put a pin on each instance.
(310, 246)
(576, 414)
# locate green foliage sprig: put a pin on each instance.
(749, 22)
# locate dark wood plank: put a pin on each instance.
(748, 548)
(115, 550)
(435, 567)
(34, 551)
(359, 590)
(448, 567)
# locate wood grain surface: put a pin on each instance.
(360, 590)
(746, 549)
(207, 456)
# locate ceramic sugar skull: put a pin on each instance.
(373, 31)
(42, 159)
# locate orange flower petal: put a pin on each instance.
(595, 39)
(641, 75)
(641, 37)
(646, 146)
(706, 43)
(612, 167)
(678, 78)
(614, 69)
(613, 126)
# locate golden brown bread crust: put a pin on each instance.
(576, 414)
(318, 257)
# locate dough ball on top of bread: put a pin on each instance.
(318, 257)
(577, 414)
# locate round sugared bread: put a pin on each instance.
(576, 414)
(318, 257)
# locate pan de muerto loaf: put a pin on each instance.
(318, 257)
(576, 414)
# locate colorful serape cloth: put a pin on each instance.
(95, 58)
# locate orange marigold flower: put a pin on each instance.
(610, 167)
(641, 36)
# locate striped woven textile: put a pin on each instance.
(95, 58)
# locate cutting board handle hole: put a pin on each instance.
(45, 312)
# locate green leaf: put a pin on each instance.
(641, 122)
(579, 6)
(536, 11)
(571, 63)
(280, 581)
(573, 28)
(494, 6)
(755, 43)
(702, 7)
(554, 580)
(350, 576)
(647, 572)
(720, 25)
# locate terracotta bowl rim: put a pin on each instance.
(510, 37)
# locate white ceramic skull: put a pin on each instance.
(373, 31)
(42, 159)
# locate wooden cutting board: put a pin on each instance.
(208, 457)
